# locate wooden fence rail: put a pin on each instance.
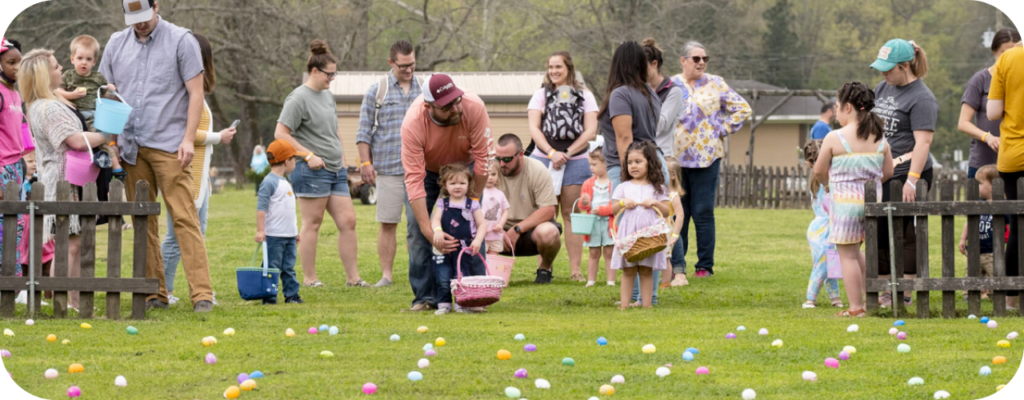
(87, 284)
(877, 214)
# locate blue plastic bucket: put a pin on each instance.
(111, 116)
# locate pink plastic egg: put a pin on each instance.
(844, 355)
(369, 388)
(730, 335)
(703, 371)
(313, 331)
(74, 391)
(831, 363)
(901, 336)
(430, 353)
(4, 353)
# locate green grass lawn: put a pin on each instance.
(762, 268)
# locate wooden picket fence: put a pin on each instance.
(786, 187)
(877, 218)
(87, 284)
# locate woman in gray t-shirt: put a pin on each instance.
(984, 133)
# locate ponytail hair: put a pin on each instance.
(862, 99)
(919, 65)
(319, 56)
(653, 52)
(811, 150)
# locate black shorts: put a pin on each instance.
(525, 246)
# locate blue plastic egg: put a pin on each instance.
(601, 341)
(255, 375)
(985, 371)
(899, 323)
(693, 351)
(324, 327)
(984, 320)
(415, 376)
(688, 356)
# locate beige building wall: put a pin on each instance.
(775, 145)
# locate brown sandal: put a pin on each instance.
(850, 313)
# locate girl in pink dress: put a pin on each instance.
(640, 194)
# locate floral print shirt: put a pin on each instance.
(711, 110)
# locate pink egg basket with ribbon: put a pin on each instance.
(475, 291)
(501, 266)
(79, 168)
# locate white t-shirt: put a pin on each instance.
(538, 101)
(277, 199)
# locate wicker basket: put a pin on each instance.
(475, 291)
(645, 246)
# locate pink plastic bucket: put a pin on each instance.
(501, 266)
(79, 168)
(26, 139)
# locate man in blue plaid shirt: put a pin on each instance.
(379, 139)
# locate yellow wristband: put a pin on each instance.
(675, 236)
(914, 174)
(621, 204)
(551, 153)
(437, 229)
(308, 156)
(983, 137)
(367, 163)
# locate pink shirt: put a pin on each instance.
(494, 202)
(11, 118)
(427, 146)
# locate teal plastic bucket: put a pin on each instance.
(111, 116)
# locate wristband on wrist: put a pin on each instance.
(912, 185)
(551, 153)
(113, 143)
(675, 236)
(985, 136)
(308, 156)
(621, 203)
(914, 174)
(437, 229)
(367, 163)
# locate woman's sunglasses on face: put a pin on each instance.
(698, 59)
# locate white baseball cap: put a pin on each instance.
(137, 11)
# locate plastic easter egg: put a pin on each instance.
(777, 343)
(607, 390)
(903, 348)
(915, 381)
(323, 327)
(662, 372)
(208, 341)
(1000, 387)
(65, 342)
(530, 348)
(289, 332)
(618, 379)
(901, 336)
(132, 330)
(51, 374)
(762, 332)
(210, 358)
(30, 322)
(326, 354)
(899, 322)
(429, 353)
(421, 329)
(428, 346)
(648, 349)
(844, 355)
(85, 325)
(688, 356)
(395, 338)
(749, 394)
(312, 330)
(601, 341)
(992, 324)
(831, 363)
(255, 375)
(853, 328)
(985, 371)
(730, 335)
(333, 331)
(521, 373)
(850, 349)
(4, 353)
(439, 342)
(76, 368)
(942, 394)
(415, 376)
(692, 350)
(520, 336)
(703, 371)
(369, 388)
(423, 363)
(809, 376)
(999, 360)
(1012, 335)
(74, 391)
(51, 338)
(229, 332)
(242, 377)
(8, 332)
(972, 316)
(512, 392)
(232, 392)
(504, 355)
(983, 320)
(542, 384)
(1003, 343)
(741, 328)
(248, 385)
(593, 398)
(893, 331)
(120, 381)
(568, 362)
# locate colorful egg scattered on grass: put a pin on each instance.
(289, 332)
(893, 331)
(209, 341)
(999, 360)
(255, 375)
(439, 342)
(985, 371)
(972, 316)
(74, 391)
(530, 348)
(901, 336)
(51, 374)
(415, 376)
(120, 381)
(844, 355)
(1011, 335)
(915, 381)
(607, 390)
(423, 363)
(85, 325)
(850, 349)
(648, 349)
(4, 353)
(8, 332)
(326, 354)
(65, 342)
(30, 322)
(51, 338)
(132, 330)
(232, 392)
(993, 324)
(76, 369)
(395, 338)
(777, 343)
(521, 373)
(687, 356)
(903, 348)
(692, 350)
(899, 322)
(568, 362)
(662, 372)
(741, 328)
(983, 320)
(369, 388)
(312, 330)
(323, 327)
(601, 341)
(542, 384)
(421, 329)
(831, 363)
(229, 332)
(211, 359)
(703, 371)
(853, 328)
(942, 394)
(1003, 343)
(730, 335)
(1000, 387)
(763, 332)
(429, 353)
(512, 392)
(809, 376)
(428, 346)
(248, 385)
(618, 379)
(749, 394)
(333, 331)
(504, 355)
(242, 377)
(520, 336)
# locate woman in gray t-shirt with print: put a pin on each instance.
(983, 132)
(909, 111)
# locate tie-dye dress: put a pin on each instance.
(846, 177)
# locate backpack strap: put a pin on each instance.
(381, 94)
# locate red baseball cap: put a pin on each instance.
(440, 90)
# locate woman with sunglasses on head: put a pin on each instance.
(309, 122)
(711, 112)
(910, 111)
(563, 119)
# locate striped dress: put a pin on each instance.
(846, 177)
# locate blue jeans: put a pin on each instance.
(421, 269)
(319, 183)
(281, 254)
(170, 249)
(700, 185)
(444, 271)
(971, 172)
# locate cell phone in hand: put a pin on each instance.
(234, 124)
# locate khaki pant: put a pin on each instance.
(163, 171)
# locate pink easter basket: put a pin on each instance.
(79, 168)
(475, 291)
(835, 268)
(26, 139)
(501, 266)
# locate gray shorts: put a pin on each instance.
(391, 198)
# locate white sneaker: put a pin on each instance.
(442, 311)
(214, 298)
(590, 283)
(22, 298)
(611, 283)
(171, 299)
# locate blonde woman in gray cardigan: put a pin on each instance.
(57, 127)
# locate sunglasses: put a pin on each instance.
(330, 75)
(698, 59)
(506, 160)
(405, 67)
(447, 108)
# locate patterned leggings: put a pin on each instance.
(819, 277)
(12, 174)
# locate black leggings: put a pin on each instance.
(1012, 249)
(909, 232)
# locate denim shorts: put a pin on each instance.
(576, 171)
(314, 184)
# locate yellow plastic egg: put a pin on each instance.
(422, 329)
(86, 325)
(648, 349)
(51, 338)
(1003, 343)
(504, 354)
(209, 341)
(289, 332)
(76, 368)
(439, 342)
(248, 385)
(8, 332)
(1000, 387)
(65, 341)
(232, 392)
(999, 360)
(229, 332)
(607, 390)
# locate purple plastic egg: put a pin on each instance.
(210, 358)
(430, 353)
(74, 391)
(242, 377)
(901, 336)
(730, 335)
(521, 373)
(844, 355)
(831, 363)
(4, 353)
(530, 348)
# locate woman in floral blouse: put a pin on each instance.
(711, 111)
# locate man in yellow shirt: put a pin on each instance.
(1006, 101)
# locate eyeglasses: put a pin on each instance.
(447, 108)
(698, 59)
(506, 160)
(330, 75)
(406, 66)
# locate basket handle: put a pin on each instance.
(88, 146)
(614, 226)
(458, 262)
(574, 206)
(104, 87)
